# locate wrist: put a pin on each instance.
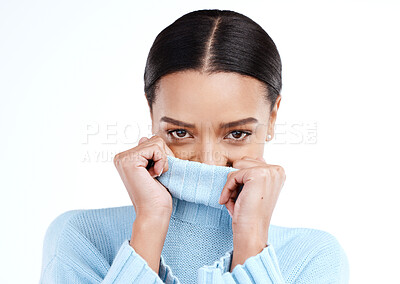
(150, 232)
(151, 222)
(251, 234)
(249, 244)
(153, 214)
(244, 250)
(148, 237)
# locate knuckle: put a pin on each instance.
(281, 170)
(143, 139)
(236, 163)
(230, 174)
(157, 139)
(159, 142)
(124, 158)
(160, 149)
(116, 159)
(262, 171)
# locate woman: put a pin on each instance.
(212, 83)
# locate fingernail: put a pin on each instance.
(160, 172)
(230, 214)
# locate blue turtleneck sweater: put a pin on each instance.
(92, 246)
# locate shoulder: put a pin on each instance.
(55, 231)
(80, 224)
(314, 239)
(81, 244)
(309, 250)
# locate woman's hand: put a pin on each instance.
(152, 201)
(252, 211)
(149, 197)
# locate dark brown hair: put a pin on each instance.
(214, 41)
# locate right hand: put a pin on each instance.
(149, 197)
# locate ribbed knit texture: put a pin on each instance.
(92, 246)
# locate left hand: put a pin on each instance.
(252, 211)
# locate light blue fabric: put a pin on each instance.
(92, 246)
(195, 182)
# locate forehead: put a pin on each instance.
(194, 94)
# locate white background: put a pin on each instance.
(68, 67)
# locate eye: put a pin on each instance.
(237, 134)
(178, 134)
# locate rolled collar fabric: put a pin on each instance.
(195, 182)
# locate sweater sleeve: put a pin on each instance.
(326, 262)
(127, 267)
(261, 268)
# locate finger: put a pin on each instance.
(247, 163)
(229, 191)
(168, 152)
(247, 158)
(142, 140)
(158, 170)
(158, 167)
(155, 153)
(160, 164)
(230, 204)
(261, 158)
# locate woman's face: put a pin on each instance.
(213, 119)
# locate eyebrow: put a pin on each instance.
(221, 125)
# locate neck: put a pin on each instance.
(195, 188)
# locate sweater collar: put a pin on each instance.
(195, 188)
